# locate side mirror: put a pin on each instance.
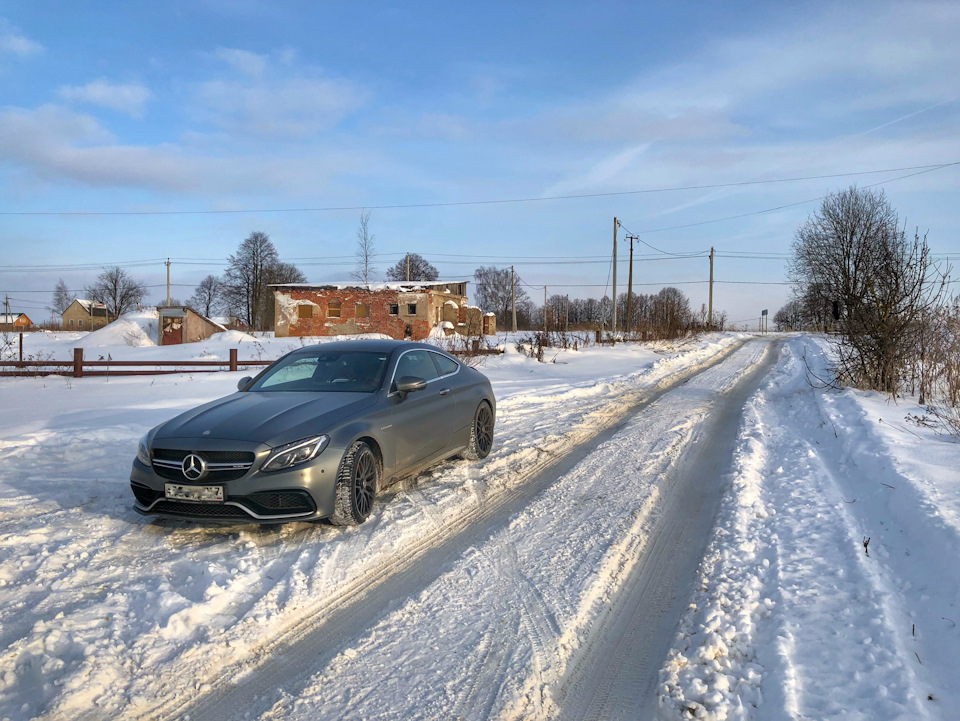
(410, 384)
(243, 382)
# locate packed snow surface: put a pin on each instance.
(107, 614)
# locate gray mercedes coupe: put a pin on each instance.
(316, 435)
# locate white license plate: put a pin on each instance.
(209, 494)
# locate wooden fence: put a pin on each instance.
(77, 368)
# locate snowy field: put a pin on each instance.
(474, 589)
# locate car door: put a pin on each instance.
(423, 422)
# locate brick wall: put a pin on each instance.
(316, 320)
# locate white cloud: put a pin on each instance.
(128, 98)
(799, 95)
(272, 100)
(14, 42)
(245, 61)
(55, 144)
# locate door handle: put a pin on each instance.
(444, 391)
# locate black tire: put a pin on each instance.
(357, 482)
(481, 433)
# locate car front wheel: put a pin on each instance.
(481, 433)
(357, 483)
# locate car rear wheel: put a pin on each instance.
(357, 483)
(481, 433)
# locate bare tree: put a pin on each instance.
(117, 291)
(61, 298)
(494, 293)
(852, 257)
(365, 251)
(208, 297)
(247, 276)
(419, 269)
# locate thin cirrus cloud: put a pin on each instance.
(129, 98)
(798, 96)
(14, 42)
(59, 145)
(273, 99)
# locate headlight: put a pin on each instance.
(143, 452)
(295, 453)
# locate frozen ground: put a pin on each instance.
(489, 590)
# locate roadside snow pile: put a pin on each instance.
(138, 329)
(824, 592)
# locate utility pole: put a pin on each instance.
(614, 324)
(710, 311)
(566, 320)
(168, 282)
(408, 267)
(630, 287)
(513, 297)
(544, 310)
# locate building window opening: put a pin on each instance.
(394, 309)
(333, 309)
(363, 310)
(304, 311)
(411, 308)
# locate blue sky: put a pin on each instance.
(119, 107)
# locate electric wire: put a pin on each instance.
(500, 201)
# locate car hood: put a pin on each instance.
(266, 417)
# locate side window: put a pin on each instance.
(445, 365)
(416, 363)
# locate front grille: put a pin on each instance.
(173, 454)
(200, 510)
(222, 466)
(212, 478)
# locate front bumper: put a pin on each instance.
(304, 493)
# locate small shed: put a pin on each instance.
(182, 324)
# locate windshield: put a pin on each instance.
(345, 372)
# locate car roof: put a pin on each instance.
(373, 345)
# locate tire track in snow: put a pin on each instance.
(445, 623)
(614, 675)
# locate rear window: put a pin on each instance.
(445, 365)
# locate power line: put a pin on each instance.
(501, 201)
(929, 169)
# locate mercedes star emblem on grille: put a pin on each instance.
(194, 467)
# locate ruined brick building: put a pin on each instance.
(410, 310)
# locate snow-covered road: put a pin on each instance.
(548, 581)
(105, 614)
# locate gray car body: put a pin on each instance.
(408, 433)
